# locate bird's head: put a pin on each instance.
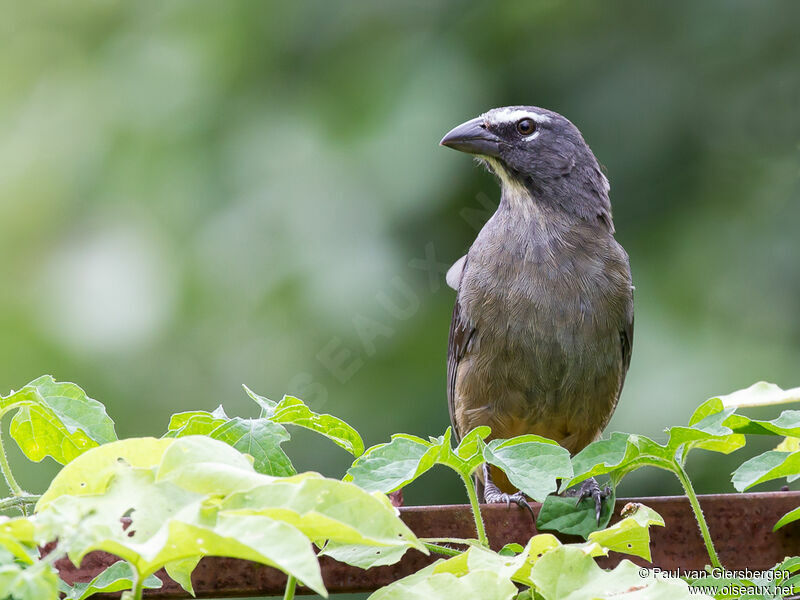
(538, 155)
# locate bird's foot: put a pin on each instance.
(590, 489)
(492, 495)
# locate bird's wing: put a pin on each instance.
(626, 339)
(461, 332)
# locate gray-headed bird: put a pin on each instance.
(542, 327)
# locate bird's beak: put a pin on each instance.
(472, 137)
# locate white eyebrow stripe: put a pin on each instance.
(508, 115)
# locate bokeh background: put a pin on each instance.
(196, 195)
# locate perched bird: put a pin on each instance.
(542, 327)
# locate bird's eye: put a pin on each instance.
(526, 126)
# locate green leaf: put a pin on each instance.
(568, 573)
(116, 578)
(261, 439)
(388, 467)
(17, 537)
(36, 582)
(631, 535)
(560, 513)
(195, 496)
(326, 509)
(56, 419)
(618, 456)
(196, 422)
(790, 517)
(760, 394)
(91, 472)
(532, 463)
(169, 523)
(428, 585)
(362, 556)
(180, 571)
(292, 411)
(470, 444)
(764, 467)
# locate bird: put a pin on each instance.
(542, 328)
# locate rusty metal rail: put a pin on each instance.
(740, 524)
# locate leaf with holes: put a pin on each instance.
(568, 573)
(631, 535)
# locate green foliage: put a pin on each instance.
(216, 485)
(261, 438)
(560, 513)
(116, 578)
(56, 419)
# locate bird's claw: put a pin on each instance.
(495, 496)
(590, 489)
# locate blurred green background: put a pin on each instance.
(196, 195)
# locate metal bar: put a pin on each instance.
(740, 524)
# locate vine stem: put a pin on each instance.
(18, 501)
(698, 513)
(15, 488)
(291, 584)
(476, 510)
(138, 585)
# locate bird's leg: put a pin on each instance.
(590, 489)
(493, 495)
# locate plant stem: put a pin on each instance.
(698, 514)
(442, 549)
(15, 488)
(291, 583)
(138, 585)
(18, 501)
(476, 510)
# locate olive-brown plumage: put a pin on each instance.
(542, 327)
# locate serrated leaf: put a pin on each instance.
(617, 456)
(560, 513)
(531, 463)
(388, 467)
(567, 573)
(196, 422)
(292, 411)
(631, 535)
(765, 467)
(261, 439)
(56, 419)
(118, 577)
